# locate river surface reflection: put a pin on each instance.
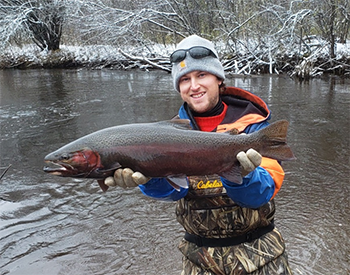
(51, 225)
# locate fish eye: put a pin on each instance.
(65, 157)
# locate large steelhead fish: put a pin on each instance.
(168, 149)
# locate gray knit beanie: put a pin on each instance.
(208, 64)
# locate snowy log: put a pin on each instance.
(146, 60)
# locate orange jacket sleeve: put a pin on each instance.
(275, 170)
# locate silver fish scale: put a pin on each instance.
(151, 133)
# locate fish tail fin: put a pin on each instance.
(274, 140)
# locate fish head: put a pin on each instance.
(80, 163)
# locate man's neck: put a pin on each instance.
(210, 123)
(217, 110)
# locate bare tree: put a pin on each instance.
(332, 18)
(257, 35)
(40, 21)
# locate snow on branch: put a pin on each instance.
(146, 60)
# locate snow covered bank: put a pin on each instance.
(294, 63)
(67, 57)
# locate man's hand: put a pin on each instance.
(249, 161)
(126, 178)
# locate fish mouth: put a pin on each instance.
(59, 169)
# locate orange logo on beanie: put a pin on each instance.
(183, 64)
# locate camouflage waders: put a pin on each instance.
(208, 212)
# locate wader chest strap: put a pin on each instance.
(222, 242)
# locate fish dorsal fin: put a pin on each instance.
(183, 124)
(233, 131)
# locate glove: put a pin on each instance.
(126, 178)
(249, 161)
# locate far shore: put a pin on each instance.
(99, 57)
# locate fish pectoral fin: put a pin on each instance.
(178, 182)
(233, 175)
(105, 173)
(102, 184)
(113, 167)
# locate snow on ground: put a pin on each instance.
(343, 49)
(31, 54)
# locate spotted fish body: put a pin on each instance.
(165, 149)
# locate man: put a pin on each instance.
(229, 226)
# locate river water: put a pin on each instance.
(52, 225)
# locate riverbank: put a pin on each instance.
(103, 56)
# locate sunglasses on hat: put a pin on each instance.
(196, 52)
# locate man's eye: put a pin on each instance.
(183, 80)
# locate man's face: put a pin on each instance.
(200, 90)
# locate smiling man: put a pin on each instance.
(200, 90)
(229, 226)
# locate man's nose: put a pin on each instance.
(194, 84)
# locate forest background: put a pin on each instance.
(302, 38)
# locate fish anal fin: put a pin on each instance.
(178, 182)
(233, 175)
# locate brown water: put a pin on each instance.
(51, 225)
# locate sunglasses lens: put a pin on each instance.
(178, 56)
(199, 52)
(196, 52)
